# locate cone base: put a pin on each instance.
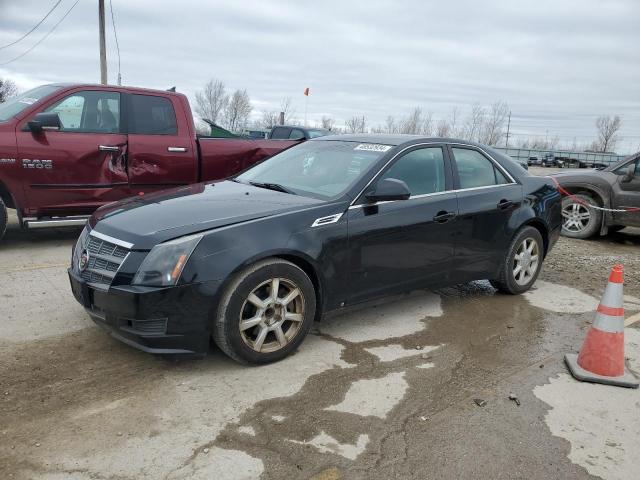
(579, 373)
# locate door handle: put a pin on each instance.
(176, 149)
(505, 204)
(442, 217)
(108, 148)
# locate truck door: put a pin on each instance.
(81, 166)
(161, 146)
(626, 194)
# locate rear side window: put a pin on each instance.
(280, 133)
(151, 115)
(422, 170)
(90, 111)
(476, 170)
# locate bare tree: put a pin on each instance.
(8, 89)
(453, 123)
(493, 130)
(474, 124)
(268, 119)
(608, 127)
(237, 111)
(427, 124)
(412, 124)
(443, 129)
(286, 106)
(356, 124)
(390, 125)
(328, 123)
(211, 100)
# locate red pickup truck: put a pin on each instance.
(67, 149)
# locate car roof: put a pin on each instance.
(392, 139)
(118, 87)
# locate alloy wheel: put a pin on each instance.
(526, 261)
(575, 217)
(272, 315)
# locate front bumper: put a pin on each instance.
(170, 320)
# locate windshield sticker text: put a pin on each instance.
(373, 147)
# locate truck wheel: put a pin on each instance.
(578, 220)
(265, 312)
(522, 262)
(4, 218)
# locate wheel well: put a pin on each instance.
(544, 232)
(305, 266)
(6, 196)
(586, 191)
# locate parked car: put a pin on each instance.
(550, 160)
(616, 188)
(284, 132)
(67, 149)
(252, 261)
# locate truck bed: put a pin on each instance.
(223, 157)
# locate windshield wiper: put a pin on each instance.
(273, 186)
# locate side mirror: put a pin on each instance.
(387, 190)
(630, 173)
(44, 121)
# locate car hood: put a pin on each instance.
(580, 176)
(147, 220)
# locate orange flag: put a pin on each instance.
(306, 91)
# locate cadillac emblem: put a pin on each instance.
(83, 262)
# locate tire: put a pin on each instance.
(512, 281)
(280, 336)
(579, 221)
(4, 218)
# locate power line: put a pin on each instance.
(30, 31)
(115, 34)
(43, 38)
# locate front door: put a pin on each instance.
(626, 195)
(161, 151)
(82, 166)
(396, 245)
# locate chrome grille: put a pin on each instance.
(104, 261)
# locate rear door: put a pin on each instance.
(487, 198)
(76, 169)
(627, 195)
(396, 244)
(161, 147)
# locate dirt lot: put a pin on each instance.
(388, 391)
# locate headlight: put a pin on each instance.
(77, 248)
(163, 266)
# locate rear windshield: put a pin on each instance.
(15, 105)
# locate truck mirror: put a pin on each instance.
(630, 173)
(44, 121)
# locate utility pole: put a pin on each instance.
(103, 46)
(506, 142)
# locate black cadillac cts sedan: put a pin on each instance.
(253, 260)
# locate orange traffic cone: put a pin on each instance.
(601, 359)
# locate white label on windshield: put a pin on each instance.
(373, 147)
(28, 100)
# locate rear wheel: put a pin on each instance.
(522, 262)
(578, 219)
(265, 312)
(4, 218)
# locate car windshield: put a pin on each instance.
(15, 105)
(320, 169)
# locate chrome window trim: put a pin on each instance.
(109, 239)
(471, 147)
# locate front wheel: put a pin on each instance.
(578, 219)
(522, 262)
(265, 312)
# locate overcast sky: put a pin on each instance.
(557, 63)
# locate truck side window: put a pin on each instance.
(89, 111)
(151, 115)
(296, 134)
(280, 133)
